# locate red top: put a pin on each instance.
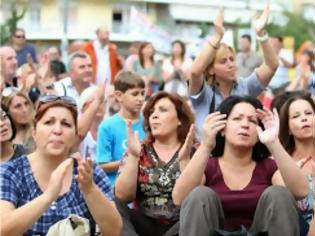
(239, 205)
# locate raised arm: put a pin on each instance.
(126, 182)
(16, 221)
(206, 56)
(266, 71)
(289, 173)
(193, 173)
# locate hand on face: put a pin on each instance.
(214, 123)
(270, 121)
(134, 145)
(184, 152)
(85, 173)
(57, 179)
(259, 23)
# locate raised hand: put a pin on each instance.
(85, 173)
(134, 145)
(218, 23)
(270, 121)
(260, 22)
(100, 93)
(57, 179)
(184, 152)
(214, 123)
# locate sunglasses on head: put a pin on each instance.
(9, 91)
(53, 98)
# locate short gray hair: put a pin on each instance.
(73, 56)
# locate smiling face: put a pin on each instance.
(81, 70)
(240, 130)
(55, 132)
(163, 119)
(301, 115)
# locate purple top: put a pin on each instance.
(239, 205)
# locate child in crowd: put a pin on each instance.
(112, 137)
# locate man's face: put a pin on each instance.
(19, 38)
(244, 44)
(103, 35)
(82, 70)
(9, 61)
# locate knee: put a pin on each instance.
(200, 195)
(278, 194)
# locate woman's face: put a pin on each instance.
(5, 127)
(224, 67)
(55, 132)
(301, 115)
(20, 110)
(163, 120)
(240, 130)
(305, 59)
(148, 50)
(176, 49)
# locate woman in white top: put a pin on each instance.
(175, 69)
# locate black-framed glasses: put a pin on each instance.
(53, 98)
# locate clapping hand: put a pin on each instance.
(134, 145)
(270, 121)
(85, 173)
(214, 123)
(260, 22)
(184, 152)
(218, 23)
(57, 179)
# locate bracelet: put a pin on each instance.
(262, 38)
(212, 45)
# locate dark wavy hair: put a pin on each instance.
(260, 151)
(184, 114)
(286, 139)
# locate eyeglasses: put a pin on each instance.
(9, 91)
(19, 36)
(53, 98)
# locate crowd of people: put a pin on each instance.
(137, 145)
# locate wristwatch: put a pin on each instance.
(262, 38)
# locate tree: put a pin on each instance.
(297, 27)
(10, 25)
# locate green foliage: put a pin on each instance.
(296, 27)
(10, 25)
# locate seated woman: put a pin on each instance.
(151, 168)
(50, 185)
(241, 182)
(9, 151)
(296, 135)
(21, 110)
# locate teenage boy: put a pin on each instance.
(112, 135)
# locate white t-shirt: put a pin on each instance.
(88, 147)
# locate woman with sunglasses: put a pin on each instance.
(9, 151)
(21, 110)
(50, 185)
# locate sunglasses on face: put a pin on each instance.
(53, 98)
(19, 36)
